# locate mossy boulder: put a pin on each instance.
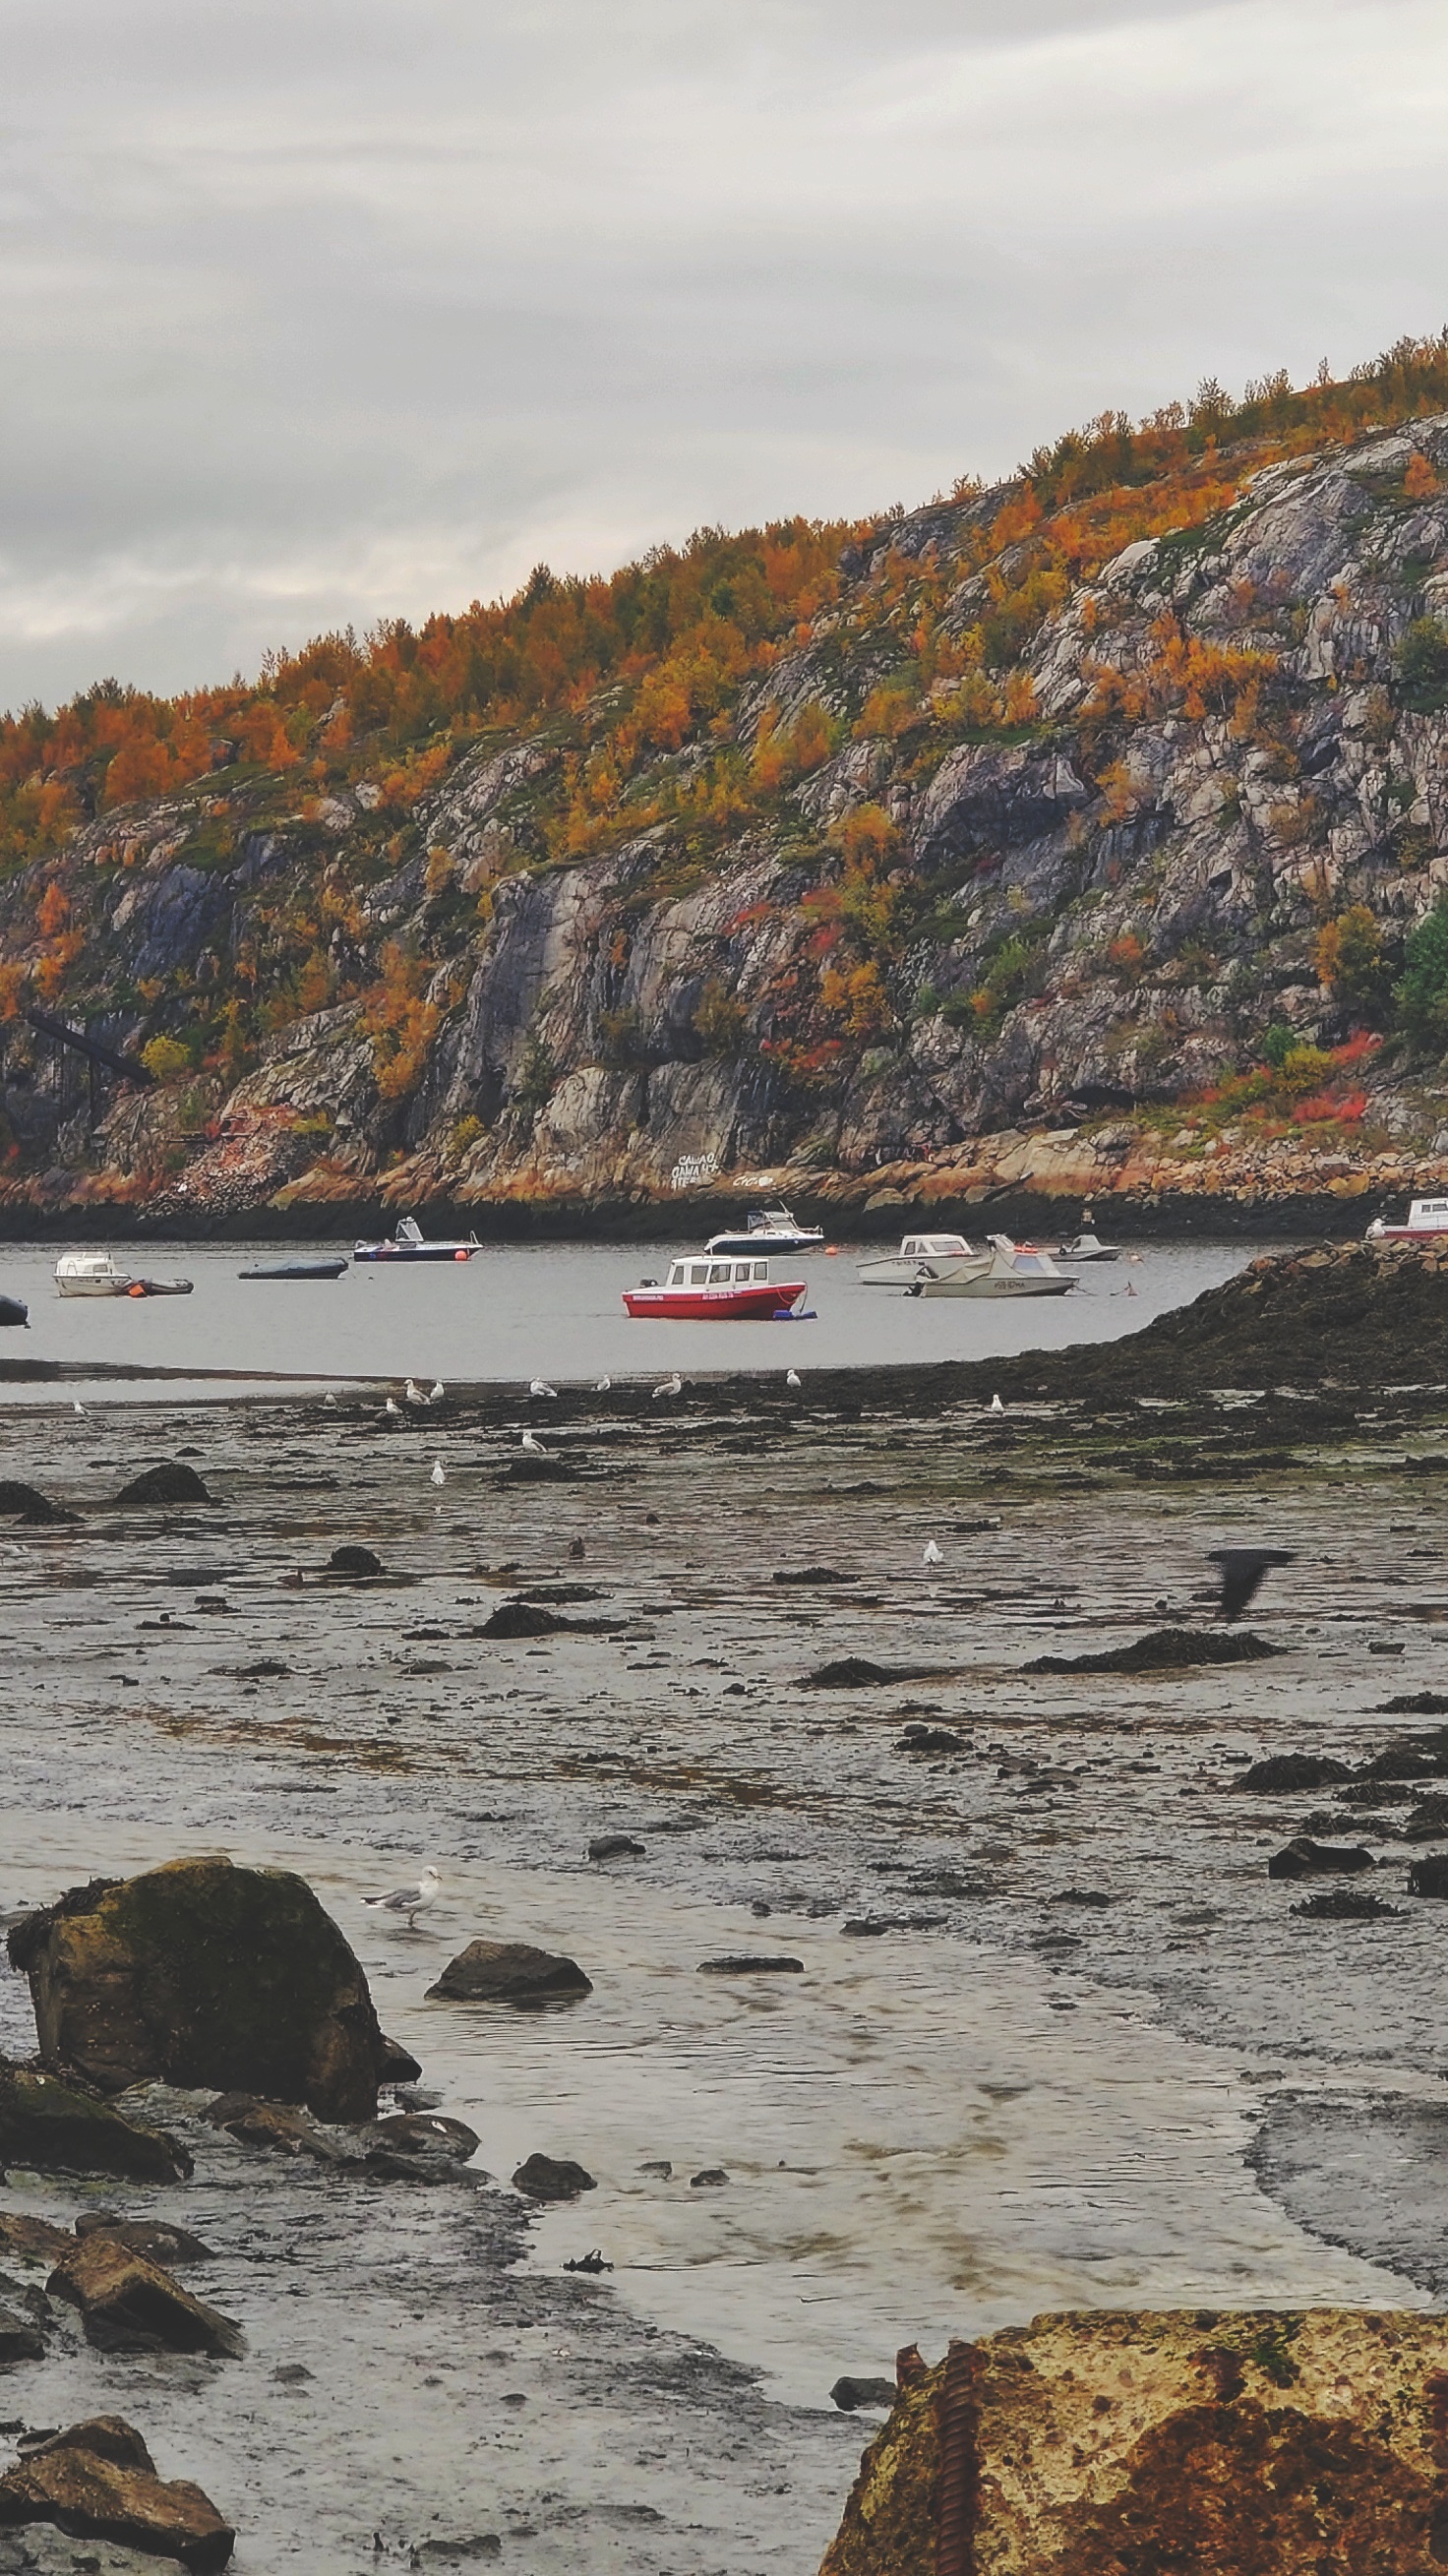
(202, 1973)
(1265, 2443)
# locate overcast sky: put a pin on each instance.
(317, 312)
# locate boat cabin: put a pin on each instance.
(718, 1274)
(934, 1247)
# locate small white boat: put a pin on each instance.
(1010, 1271)
(922, 1256)
(768, 1230)
(1088, 1247)
(91, 1274)
(1427, 1223)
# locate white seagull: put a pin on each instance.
(394, 1409)
(438, 1391)
(412, 1393)
(534, 1447)
(77, 1406)
(669, 1386)
(601, 1385)
(438, 1477)
(996, 1405)
(410, 1901)
(540, 1386)
(792, 1378)
(329, 1398)
(932, 1554)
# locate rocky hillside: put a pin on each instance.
(1086, 833)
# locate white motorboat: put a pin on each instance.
(768, 1230)
(1010, 1271)
(1088, 1247)
(91, 1274)
(922, 1256)
(1427, 1223)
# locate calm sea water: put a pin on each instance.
(554, 1311)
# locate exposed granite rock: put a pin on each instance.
(130, 2304)
(199, 1973)
(98, 2481)
(59, 2126)
(510, 1972)
(1254, 2443)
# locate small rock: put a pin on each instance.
(930, 1739)
(20, 2338)
(510, 1972)
(156, 2238)
(98, 2481)
(170, 1483)
(712, 2178)
(1301, 1857)
(591, 2262)
(815, 1574)
(356, 1561)
(420, 2134)
(615, 1847)
(1344, 1905)
(291, 2374)
(777, 1965)
(856, 1672)
(552, 2178)
(850, 2393)
(283, 2126)
(1429, 1876)
(1292, 1771)
(33, 2239)
(523, 1619)
(128, 2304)
(661, 2167)
(484, 2544)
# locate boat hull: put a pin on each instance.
(298, 1270)
(13, 1310)
(988, 1284)
(739, 1246)
(892, 1272)
(117, 1287)
(414, 1251)
(1407, 1234)
(751, 1304)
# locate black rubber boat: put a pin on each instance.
(13, 1310)
(297, 1270)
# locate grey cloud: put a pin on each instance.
(315, 313)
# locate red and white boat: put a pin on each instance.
(705, 1291)
(1427, 1223)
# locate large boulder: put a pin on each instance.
(98, 2481)
(56, 2126)
(1254, 2443)
(201, 1973)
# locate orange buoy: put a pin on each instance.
(136, 1289)
(831, 1250)
(460, 1256)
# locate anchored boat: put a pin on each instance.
(1013, 1270)
(1427, 1223)
(296, 1270)
(409, 1243)
(767, 1230)
(920, 1257)
(701, 1291)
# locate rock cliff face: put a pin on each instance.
(1025, 924)
(1260, 2443)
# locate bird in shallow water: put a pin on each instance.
(438, 1477)
(410, 1901)
(669, 1386)
(932, 1554)
(540, 1386)
(1242, 1571)
(792, 1378)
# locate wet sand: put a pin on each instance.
(1021, 2101)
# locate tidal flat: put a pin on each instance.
(1055, 2040)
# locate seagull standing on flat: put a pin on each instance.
(412, 1393)
(669, 1386)
(932, 1554)
(438, 1391)
(438, 1477)
(792, 1378)
(329, 1398)
(540, 1386)
(534, 1447)
(996, 1405)
(601, 1385)
(394, 1409)
(410, 1901)
(77, 1406)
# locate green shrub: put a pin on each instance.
(1423, 665)
(1422, 990)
